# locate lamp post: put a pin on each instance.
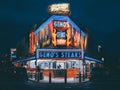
(100, 56)
(84, 66)
(99, 46)
(102, 59)
(99, 51)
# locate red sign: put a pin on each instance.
(60, 25)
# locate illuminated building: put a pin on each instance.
(59, 44)
(31, 43)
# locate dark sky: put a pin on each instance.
(102, 18)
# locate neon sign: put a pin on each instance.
(61, 42)
(59, 24)
(61, 34)
(62, 8)
(59, 53)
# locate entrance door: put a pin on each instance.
(60, 69)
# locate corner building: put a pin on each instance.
(58, 46)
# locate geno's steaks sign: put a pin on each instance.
(59, 53)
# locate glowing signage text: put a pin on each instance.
(61, 34)
(59, 54)
(59, 24)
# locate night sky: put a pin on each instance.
(102, 18)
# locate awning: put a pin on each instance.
(33, 58)
(92, 59)
(23, 60)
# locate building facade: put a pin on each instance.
(59, 45)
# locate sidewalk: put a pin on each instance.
(59, 80)
(58, 83)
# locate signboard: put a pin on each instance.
(59, 53)
(60, 25)
(61, 42)
(61, 38)
(61, 34)
(12, 53)
(62, 8)
(31, 44)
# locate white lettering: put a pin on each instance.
(59, 24)
(61, 34)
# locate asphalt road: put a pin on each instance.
(30, 85)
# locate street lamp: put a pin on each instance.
(102, 59)
(99, 46)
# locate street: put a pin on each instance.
(8, 81)
(76, 86)
(30, 85)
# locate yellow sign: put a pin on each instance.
(62, 8)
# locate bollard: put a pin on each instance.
(79, 77)
(30, 75)
(35, 76)
(38, 77)
(49, 77)
(83, 77)
(65, 76)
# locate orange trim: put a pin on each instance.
(71, 72)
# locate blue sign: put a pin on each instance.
(61, 34)
(58, 53)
